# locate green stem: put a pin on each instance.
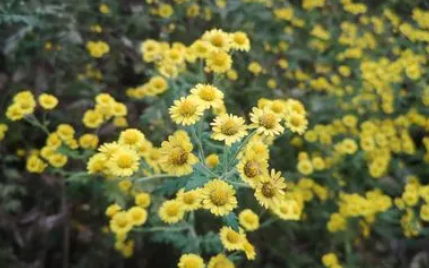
(35, 122)
(268, 223)
(161, 229)
(241, 147)
(149, 178)
(239, 184)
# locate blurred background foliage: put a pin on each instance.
(43, 48)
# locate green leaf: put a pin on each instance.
(196, 181)
(231, 221)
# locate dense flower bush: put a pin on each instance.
(218, 134)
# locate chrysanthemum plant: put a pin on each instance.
(212, 162)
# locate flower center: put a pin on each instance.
(207, 94)
(295, 121)
(219, 59)
(268, 120)
(178, 156)
(125, 161)
(251, 169)
(268, 190)
(172, 210)
(233, 237)
(131, 138)
(188, 198)
(122, 222)
(191, 264)
(229, 128)
(187, 109)
(217, 41)
(219, 197)
(239, 39)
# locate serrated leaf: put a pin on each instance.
(231, 221)
(195, 181)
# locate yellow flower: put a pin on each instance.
(249, 250)
(191, 261)
(296, 122)
(219, 62)
(112, 210)
(104, 9)
(97, 49)
(3, 130)
(251, 167)
(171, 211)
(255, 68)
(220, 261)
(92, 119)
(295, 106)
(48, 101)
(156, 86)
(25, 101)
(191, 200)
(142, 200)
(288, 210)
(270, 190)
(186, 111)
(132, 138)
(228, 128)
(14, 112)
(165, 10)
(266, 122)
(88, 141)
(231, 239)
(65, 132)
(109, 149)
(202, 49)
(35, 164)
(124, 162)
(305, 167)
(218, 39)
(240, 41)
(212, 160)
(329, 259)
(219, 197)
(208, 95)
(176, 154)
(97, 163)
(249, 220)
(58, 160)
(120, 224)
(137, 216)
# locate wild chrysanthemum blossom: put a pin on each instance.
(219, 62)
(191, 261)
(208, 95)
(240, 41)
(120, 224)
(186, 111)
(171, 211)
(269, 190)
(137, 216)
(228, 128)
(249, 220)
(124, 162)
(231, 239)
(219, 197)
(176, 155)
(191, 200)
(218, 39)
(251, 167)
(131, 138)
(296, 122)
(266, 122)
(220, 260)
